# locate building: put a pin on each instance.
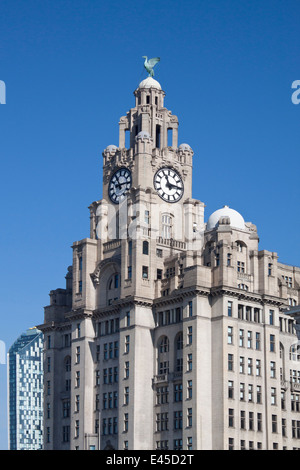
(25, 392)
(171, 332)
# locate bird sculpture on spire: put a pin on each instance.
(149, 64)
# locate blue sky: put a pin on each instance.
(70, 69)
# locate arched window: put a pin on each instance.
(164, 345)
(68, 364)
(166, 225)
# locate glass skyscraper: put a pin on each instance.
(25, 391)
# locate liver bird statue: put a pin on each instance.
(149, 64)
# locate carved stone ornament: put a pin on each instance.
(95, 276)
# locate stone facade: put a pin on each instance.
(172, 333)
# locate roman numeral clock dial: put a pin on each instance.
(168, 184)
(119, 184)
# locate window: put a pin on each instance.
(272, 343)
(66, 433)
(243, 420)
(162, 421)
(145, 272)
(230, 389)
(229, 259)
(159, 274)
(126, 396)
(77, 428)
(127, 344)
(258, 367)
(250, 392)
(257, 341)
(189, 389)
(240, 266)
(159, 253)
(251, 421)
(145, 248)
(258, 394)
(242, 365)
(230, 335)
(78, 355)
(241, 338)
(147, 217)
(229, 308)
(231, 417)
(190, 308)
(270, 269)
(273, 369)
(77, 403)
(242, 391)
(259, 422)
(162, 395)
(126, 370)
(271, 317)
(189, 417)
(249, 342)
(273, 396)
(127, 319)
(125, 429)
(129, 272)
(250, 366)
(274, 423)
(230, 362)
(164, 345)
(189, 362)
(78, 330)
(177, 419)
(190, 335)
(166, 231)
(177, 392)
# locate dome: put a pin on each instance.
(111, 148)
(236, 220)
(184, 147)
(149, 82)
(143, 135)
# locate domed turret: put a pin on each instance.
(235, 218)
(149, 82)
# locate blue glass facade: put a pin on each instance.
(25, 391)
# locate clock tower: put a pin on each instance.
(154, 342)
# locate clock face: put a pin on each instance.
(119, 184)
(168, 184)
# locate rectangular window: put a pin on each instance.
(230, 362)
(189, 417)
(189, 362)
(145, 272)
(230, 335)
(257, 341)
(231, 417)
(190, 335)
(159, 274)
(241, 338)
(129, 272)
(190, 308)
(229, 308)
(272, 343)
(230, 389)
(249, 342)
(127, 344)
(271, 317)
